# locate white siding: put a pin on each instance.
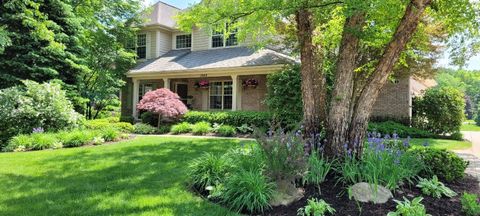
(200, 39)
(153, 45)
(164, 42)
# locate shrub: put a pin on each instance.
(76, 138)
(409, 208)
(316, 207)
(226, 131)
(317, 170)
(128, 119)
(44, 141)
(164, 129)
(435, 188)
(149, 118)
(99, 124)
(283, 153)
(19, 142)
(34, 106)
(208, 170)
(440, 110)
(477, 120)
(390, 127)
(183, 127)
(470, 204)
(163, 102)
(201, 128)
(248, 190)
(110, 134)
(284, 96)
(445, 164)
(233, 118)
(141, 128)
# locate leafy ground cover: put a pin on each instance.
(144, 176)
(470, 126)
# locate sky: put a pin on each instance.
(473, 64)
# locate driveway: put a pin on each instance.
(473, 137)
(469, 154)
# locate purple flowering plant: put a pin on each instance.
(385, 161)
(38, 130)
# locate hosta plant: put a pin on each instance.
(316, 207)
(435, 188)
(409, 208)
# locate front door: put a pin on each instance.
(182, 91)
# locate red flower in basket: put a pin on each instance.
(250, 82)
(202, 84)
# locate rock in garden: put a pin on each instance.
(364, 192)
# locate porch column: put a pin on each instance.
(234, 92)
(136, 86)
(166, 83)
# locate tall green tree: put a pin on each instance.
(4, 39)
(108, 25)
(369, 39)
(44, 38)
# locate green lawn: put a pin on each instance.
(442, 143)
(144, 176)
(470, 126)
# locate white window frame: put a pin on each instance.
(224, 37)
(176, 44)
(137, 45)
(222, 94)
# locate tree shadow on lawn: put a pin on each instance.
(147, 179)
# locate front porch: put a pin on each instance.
(225, 91)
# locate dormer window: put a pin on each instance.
(183, 41)
(221, 39)
(141, 46)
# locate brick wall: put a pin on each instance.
(252, 98)
(394, 101)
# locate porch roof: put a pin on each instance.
(181, 60)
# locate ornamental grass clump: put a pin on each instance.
(248, 190)
(163, 102)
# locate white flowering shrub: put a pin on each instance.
(35, 106)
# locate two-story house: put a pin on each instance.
(213, 71)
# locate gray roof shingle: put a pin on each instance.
(178, 60)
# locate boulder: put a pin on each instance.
(364, 192)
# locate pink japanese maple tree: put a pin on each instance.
(163, 102)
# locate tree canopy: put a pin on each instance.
(356, 44)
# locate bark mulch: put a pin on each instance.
(337, 197)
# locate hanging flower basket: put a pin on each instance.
(252, 83)
(202, 84)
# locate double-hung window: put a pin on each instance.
(227, 38)
(183, 41)
(141, 46)
(221, 95)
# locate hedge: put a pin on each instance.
(390, 127)
(232, 118)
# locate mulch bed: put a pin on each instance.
(337, 197)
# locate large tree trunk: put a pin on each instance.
(339, 115)
(403, 34)
(313, 86)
